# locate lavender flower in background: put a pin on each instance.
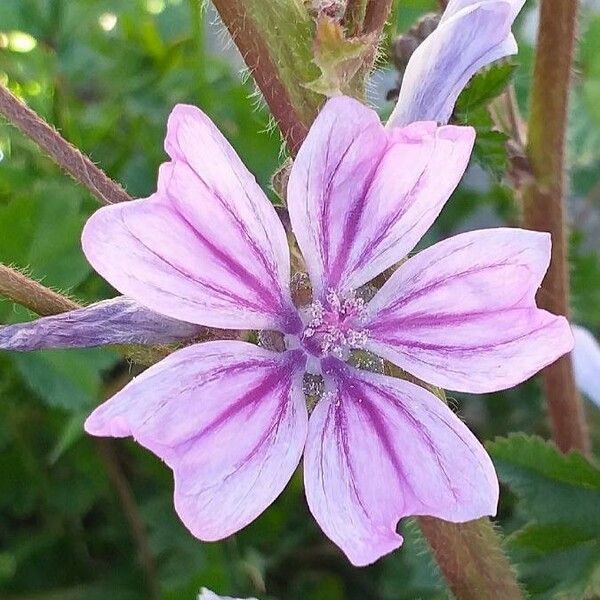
(471, 34)
(206, 594)
(586, 363)
(230, 418)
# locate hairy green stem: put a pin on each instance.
(65, 155)
(544, 201)
(275, 40)
(472, 560)
(376, 14)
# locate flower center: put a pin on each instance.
(335, 325)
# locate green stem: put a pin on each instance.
(74, 162)
(544, 201)
(472, 560)
(43, 301)
(275, 40)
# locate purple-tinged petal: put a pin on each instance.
(228, 417)
(206, 594)
(462, 314)
(470, 36)
(360, 197)
(380, 449)
(208, 248)
(586, 363)
(119, 320)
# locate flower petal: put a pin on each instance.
(119, 320)
(228, 417)
(586, 363)
(206, 594)
(470, 36)
(380, 449)
(208, 248)
(360, 197)
(462, 314)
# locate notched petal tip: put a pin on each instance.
(100, 426)
(385, 545)
(177, 118)
(380, 449)
(463, 134)
(189, 410)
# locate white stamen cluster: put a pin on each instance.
(336, 324)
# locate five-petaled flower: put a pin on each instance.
(230, 418)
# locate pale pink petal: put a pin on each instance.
(360, 197)
(208, 248)
(470, 36)
(228, 417)
(462, 314)
(119, 320)
(380, 449)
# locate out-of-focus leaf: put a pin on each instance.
(72, 431)
(44, 236)
(559, 547)
(70, 379)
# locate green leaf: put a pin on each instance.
(471, 109)
(338, 57)
(69, 379)
(490, 143)
(45, 231)
(484, 87)
(559, 546)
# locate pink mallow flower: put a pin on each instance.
(230, 418)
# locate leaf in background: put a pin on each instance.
(559, 547)
(45, 227)
(471, 109)
(484, 87)
(72, 432)
(490, 143)
(70, 379)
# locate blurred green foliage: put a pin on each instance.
(558, 548)
(106, 74)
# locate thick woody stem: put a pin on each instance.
(65, 155)
(544, 201)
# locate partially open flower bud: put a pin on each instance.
(404, 45)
